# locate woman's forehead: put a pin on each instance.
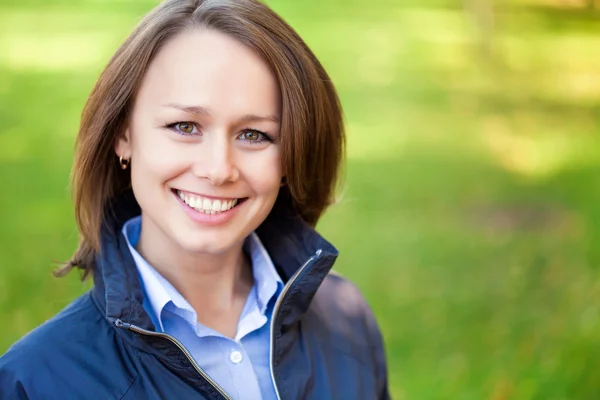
(212, 70)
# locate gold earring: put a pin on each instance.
(124, 162)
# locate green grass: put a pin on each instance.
(470, 217)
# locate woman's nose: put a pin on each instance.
(217, 163)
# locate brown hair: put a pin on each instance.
(311, 125)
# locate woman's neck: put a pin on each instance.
(215, 285)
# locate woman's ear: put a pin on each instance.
(123, 145)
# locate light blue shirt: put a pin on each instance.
(241, 365)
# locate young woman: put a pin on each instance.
(207, 151)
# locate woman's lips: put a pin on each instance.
(208, 211)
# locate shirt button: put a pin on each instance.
(235, 357)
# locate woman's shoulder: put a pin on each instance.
(340, 305)
(341, 319)
(340, 294)
(53, 351)
(78, 316)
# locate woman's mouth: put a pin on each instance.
(208, 205)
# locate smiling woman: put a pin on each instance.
(207, 151)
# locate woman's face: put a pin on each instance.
(203, 139)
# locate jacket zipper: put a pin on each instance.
(180, 346)
(278, 303)
(121, 324)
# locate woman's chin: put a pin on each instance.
(209, 245)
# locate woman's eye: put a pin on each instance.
(252, 136)
(185, 127)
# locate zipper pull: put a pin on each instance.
(121, 324)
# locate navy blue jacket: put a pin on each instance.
(325, 341)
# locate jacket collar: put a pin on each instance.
(289, 241)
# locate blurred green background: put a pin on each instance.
(471, 214)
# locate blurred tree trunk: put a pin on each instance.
(481, 13)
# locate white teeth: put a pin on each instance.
(207, 206)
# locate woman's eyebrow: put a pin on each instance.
(197, 110)
(205, 112)
(258, 118)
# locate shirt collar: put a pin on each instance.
(155, 286)
(266, 279)
(158, 292)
